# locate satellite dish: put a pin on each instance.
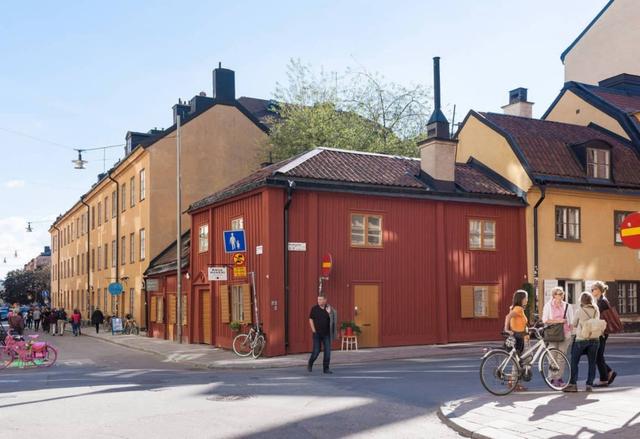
(79, 163)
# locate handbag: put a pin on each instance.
(614, 324)
(555, 331)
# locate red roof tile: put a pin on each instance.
(623, 100)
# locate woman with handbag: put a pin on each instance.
(556, 316)
(607, 375)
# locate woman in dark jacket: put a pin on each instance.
(96, 319)
(607, 375)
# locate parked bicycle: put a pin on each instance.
(501, 369)
(27, 353)
(131, 326)
(252, 343)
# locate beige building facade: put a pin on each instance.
(129, 215)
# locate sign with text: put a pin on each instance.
(218, 273)
(234, 241)
(240, 271)
(297, 246)
(153, 285)
(116, 325)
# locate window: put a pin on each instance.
(203, 238)
(598, 163)
(628, 297)
(142, 245)
(71, 272)
(77, 228)
(366, 230)
(114, 253)
(71, 231)
(237, 224)
(480, 301)
(93, 259)
(82, 264)
(132, 191)
(567, 223)
(143, 185)
(132, 295)
(618, 217)
(123, 250)
(160, 310)
(106, 257)
(482, 234)
(114, 204)
(153, 309)
(105, 300)
(132, 248)
(237, 311)
(106, 211)
(99, 257)
(100, 213)
(123, 194)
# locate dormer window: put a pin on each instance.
(598, 162)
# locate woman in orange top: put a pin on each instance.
(516, 321)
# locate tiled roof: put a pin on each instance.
(166, 260)
(546, 146)
(327, 165)
(626, 101)
(262, 109)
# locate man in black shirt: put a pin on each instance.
(322, 320)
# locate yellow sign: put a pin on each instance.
(238, 259)
(240, 271)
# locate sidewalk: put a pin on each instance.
(609, 412)
(208, 357)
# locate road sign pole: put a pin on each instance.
(255, 298)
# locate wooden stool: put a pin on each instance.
(349, 343)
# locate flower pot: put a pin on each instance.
(348, 331)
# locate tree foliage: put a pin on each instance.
(356, 110)
(20, 284)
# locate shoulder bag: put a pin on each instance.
(614, 325)
(555, 331)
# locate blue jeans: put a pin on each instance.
(580, 348)
(326, 341)
(76, 328)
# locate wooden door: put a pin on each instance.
(205, 314)
(366, 299)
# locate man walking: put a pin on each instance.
(62, 320)
(323, 321)
(96, 319)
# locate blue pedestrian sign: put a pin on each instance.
(115, 288)
(234, 241)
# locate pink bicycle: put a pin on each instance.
(29, 353)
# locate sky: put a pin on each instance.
(81, 74)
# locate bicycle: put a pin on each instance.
(31, 352)
(131, 327)
(505, 368)
(252, 343)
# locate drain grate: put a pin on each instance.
(228, 398)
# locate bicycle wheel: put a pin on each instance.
(5, 358)
(555, 369)
(135, 330)
(258, 346)
(499, 374)
(50, 357)
(242, 345)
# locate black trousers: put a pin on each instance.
(97, 327)
(326, 347)
(603, 367)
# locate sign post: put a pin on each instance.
(630, 231)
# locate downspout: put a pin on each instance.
(290, 188)
(58, 268)
(117, 240)
(535, 247)
(88, 262)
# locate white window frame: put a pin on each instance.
(143, 184)
(565, 234)
(595, 166)
(203, 238)
(143, 244)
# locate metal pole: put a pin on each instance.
(179, 235)
(255, 298)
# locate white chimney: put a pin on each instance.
(518, 104)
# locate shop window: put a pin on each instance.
(567, 223)
(618, 217)
(366, 230)
(482, 234)
(628, 297)
(479, 301)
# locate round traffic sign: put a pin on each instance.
(115, 288)
(630, 230)
(326, 265)
(238, 259)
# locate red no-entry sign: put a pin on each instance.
(327, 265)
(630, 231)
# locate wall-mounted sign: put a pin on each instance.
(326, 265)
(217, 273)
(234, 241)
(297, 246)
(630, 231)
(240, 271)
(238, 259)
(153, 285)
(259, 249)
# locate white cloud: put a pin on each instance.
(14, 184)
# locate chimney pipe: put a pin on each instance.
(436, 82)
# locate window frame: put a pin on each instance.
(143, 184)
(123, 250)
(235, 221)
(114, 253)
(483, 234)
(625, 301)
(595, 165)
(203, 239)
(365, 231)
(579, 224)
(114, 203)
(132, 191)
(142, 242)
(616, 226)
(237, 306)
(123, 194)
(132, 248)
(106, 210)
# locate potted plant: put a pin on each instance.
(235, 326)
(350, 328)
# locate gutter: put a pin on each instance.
(290, 188)
(536, 252)
(89, 292)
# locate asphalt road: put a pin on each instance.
(106, 391)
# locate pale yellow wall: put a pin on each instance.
(219, 147)
(609, 47)
(573, 109)
(486, 145)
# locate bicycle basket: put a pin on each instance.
(510, 342)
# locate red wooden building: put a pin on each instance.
(424, 250)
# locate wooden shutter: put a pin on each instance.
(466, 302)
(225, 310)
(247, 309)
(173, 311)
(184, 310)
(494, 301)
(154, 309)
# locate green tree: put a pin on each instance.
(20, 284)
(356, 110)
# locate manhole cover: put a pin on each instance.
(227, 398)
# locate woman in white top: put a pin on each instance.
(558, 311)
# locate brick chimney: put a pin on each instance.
(438, 151)
(518, 104)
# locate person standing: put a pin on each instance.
(76, 318)
(46, 313)
(16, 323)
(36, 319)
(30, 318)
(53, 321)
(62, 320)
(583, 344)
(557, 311)
(96, 319)
(323, 322)
(607, 375)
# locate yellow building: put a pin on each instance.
(579, 182)
(129, 215)
(607, 46)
